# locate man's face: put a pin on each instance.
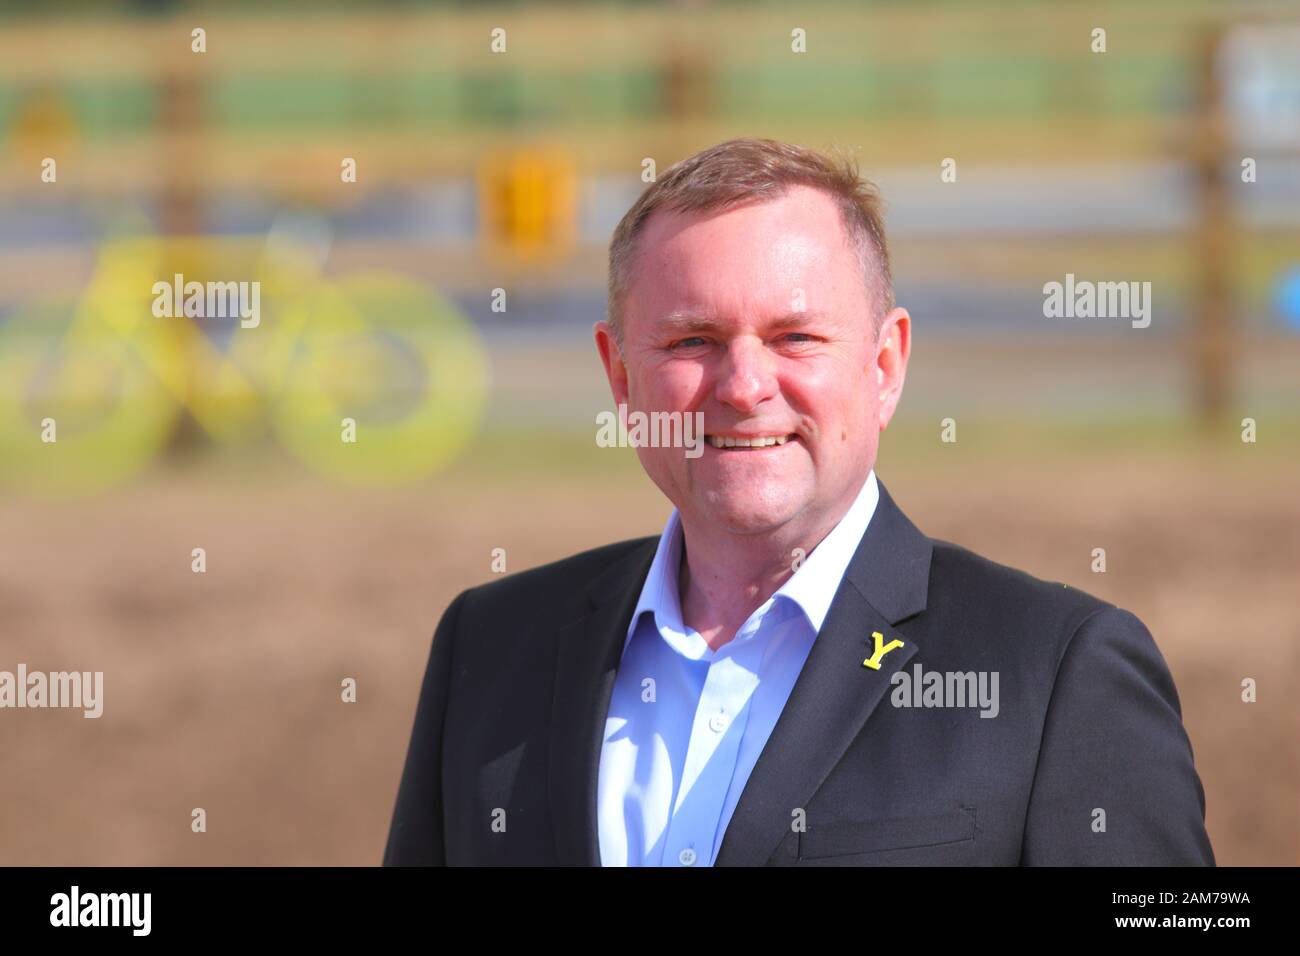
(760, 318)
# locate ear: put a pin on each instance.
(893, 347)
(612, 358)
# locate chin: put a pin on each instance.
(750, 513)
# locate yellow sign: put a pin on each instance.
(528, 204)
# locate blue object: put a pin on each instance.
(1286, 298)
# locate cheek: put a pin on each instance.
(668, 386)
(832, 391)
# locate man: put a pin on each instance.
(791, 673)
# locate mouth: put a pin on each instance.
(749, 443)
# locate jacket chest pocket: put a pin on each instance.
(843, 837)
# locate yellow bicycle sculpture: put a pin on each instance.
(370, 378)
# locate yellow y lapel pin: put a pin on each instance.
(881, 650)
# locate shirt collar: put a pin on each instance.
(814, 584)
(812, 587)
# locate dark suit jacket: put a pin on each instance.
(512, 712)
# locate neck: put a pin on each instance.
(724, 577)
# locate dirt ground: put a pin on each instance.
(223, 689)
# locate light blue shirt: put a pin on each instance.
(685, 723)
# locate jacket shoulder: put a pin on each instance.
(552, 583)
(969, 582)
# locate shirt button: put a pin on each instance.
(687, 857)
(718, 723)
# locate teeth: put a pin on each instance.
(719, 441)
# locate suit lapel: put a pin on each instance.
(835, 694)
(587, 658)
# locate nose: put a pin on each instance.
(747, 376)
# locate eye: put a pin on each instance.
(693, 342)
(798, 338)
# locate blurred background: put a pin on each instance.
(426, 192)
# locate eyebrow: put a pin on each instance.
(679, 322)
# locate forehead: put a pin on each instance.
(759, 256)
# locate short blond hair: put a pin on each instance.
(743, 171)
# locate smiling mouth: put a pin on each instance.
(752, 443)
